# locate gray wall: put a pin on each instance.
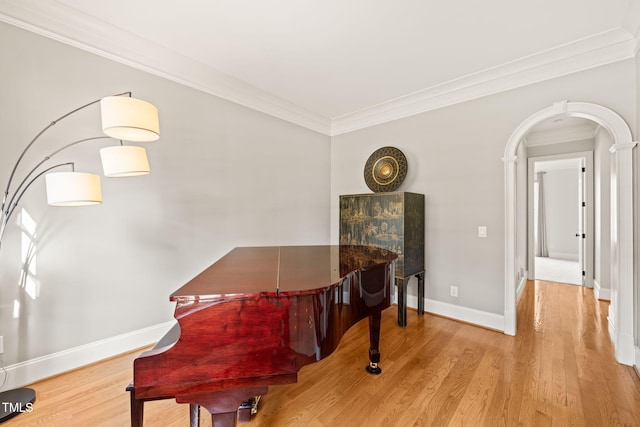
(222, 176)
(454, 156)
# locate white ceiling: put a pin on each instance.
(339, 65)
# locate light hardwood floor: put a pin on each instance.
(559, 370)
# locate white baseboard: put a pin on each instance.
(563, 256)
(637, 359)
(623, 342)
(611, 327)
(521, 284)
(458, 312)
(601, 293)
(465, 314)
(623, 346)
(30, 371)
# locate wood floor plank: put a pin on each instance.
(475, 401)
(574, 394)
(433, 372)
(456, 383)
(559, 370)
(529, 389)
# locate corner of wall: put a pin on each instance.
(601, 293)
(521, 285)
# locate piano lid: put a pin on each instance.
(274, 270)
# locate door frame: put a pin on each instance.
(587, 157)
(621, 309)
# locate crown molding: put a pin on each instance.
(631, 22)
(601, 49)
(62, 23)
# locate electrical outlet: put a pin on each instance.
(454, 291)
(482, 231)
(1, 344)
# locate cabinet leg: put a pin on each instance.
(420, 277)
(401, 284)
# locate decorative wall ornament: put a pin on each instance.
(385, 169)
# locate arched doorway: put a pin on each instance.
(621, 309)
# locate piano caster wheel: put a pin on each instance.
(373, 369)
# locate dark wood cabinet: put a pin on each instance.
(393, 221)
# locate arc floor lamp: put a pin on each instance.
(124, 118)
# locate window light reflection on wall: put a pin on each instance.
(16, 309)
(28, 272)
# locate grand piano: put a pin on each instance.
(257, 316)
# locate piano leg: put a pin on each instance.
(194, 415)
(374, 344)
(137, 410)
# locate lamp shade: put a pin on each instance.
(124, 160)
(73, 189)
(129, 119)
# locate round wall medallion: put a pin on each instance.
(385, 169)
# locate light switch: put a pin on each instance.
(482, 231)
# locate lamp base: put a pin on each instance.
(14, 402)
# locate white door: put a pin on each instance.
(582, 208)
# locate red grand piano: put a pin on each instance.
(258, 315)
